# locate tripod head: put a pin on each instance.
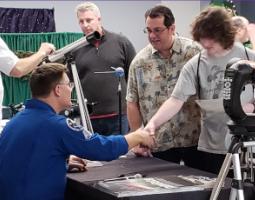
(237, 75)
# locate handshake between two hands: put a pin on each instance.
(144, 149)
(76, 164)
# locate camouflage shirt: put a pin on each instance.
(151, 82)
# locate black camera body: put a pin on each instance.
(74, 111)
(237, 75)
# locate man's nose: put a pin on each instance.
(152, 35)
(206, 45)
(84, 24)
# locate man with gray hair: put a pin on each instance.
(111, 51)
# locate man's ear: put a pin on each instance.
(172, 28)
(56, 90)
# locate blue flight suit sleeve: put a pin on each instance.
(98, 147)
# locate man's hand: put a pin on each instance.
(251, 30)
(150, 127)
(248, 62)
(248, 108)
(251, 34)
(148, 139)
(140, 137)
(144, 148)
(142, 151)
(76, 164)
(46, 49)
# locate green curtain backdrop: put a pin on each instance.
(16, 90)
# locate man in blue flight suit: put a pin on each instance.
(35, 144)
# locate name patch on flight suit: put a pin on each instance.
(73, 125)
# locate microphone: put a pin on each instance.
(61, 53)
(119, 72)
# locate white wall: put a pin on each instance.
(126, 17)
(184, 13)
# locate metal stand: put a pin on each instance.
(82, 102)
(238, 142)
(119, 72)
(120, 107)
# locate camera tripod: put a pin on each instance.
(239, 142)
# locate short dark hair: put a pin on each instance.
(44, 78)
(161, 11)
(214, 23)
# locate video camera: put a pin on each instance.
(74, 111)
(237, 75)
(9, 111)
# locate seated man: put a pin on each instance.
(35, 144)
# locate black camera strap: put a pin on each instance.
(198, 77)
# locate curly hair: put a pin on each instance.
(214, 23)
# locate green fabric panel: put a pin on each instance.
(217, 2)
(32, 41)
(16, 90)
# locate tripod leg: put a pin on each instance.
(237, 182)
(250, 164)
(221, 177)
(233, 194)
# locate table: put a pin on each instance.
(81, 185)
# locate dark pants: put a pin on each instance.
(110, 125)
(189, 155)
(211, 162)
(194, 158)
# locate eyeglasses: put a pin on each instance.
(156, 31)
(70, 84)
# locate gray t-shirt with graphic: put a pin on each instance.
(211, 79)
